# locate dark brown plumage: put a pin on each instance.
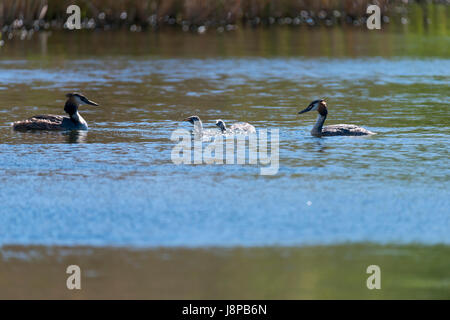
(41, 122)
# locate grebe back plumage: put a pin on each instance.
(240, 127)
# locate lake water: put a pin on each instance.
(96, 197)
(116, 185)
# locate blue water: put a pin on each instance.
(116, 185)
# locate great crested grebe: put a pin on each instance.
(54, 122)
(241, 127)
(334, 130)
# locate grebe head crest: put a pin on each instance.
(319, 105)
(221, 125)
(192, 119)
(79, 99)
(74, 101)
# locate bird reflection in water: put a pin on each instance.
(76, 136)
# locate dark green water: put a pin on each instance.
(330, 272)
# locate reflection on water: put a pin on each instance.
(76, 136)
(116, 184)
(409, 40)
(335, 272)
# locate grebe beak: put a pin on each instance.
(87, 101)
(306, 110)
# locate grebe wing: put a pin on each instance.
(49, 117)
(40, 122)
(345, 130)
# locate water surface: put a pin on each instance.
(116, 185)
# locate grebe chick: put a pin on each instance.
(334, 130)
(198, 126)
(241, 127)
(55, 122)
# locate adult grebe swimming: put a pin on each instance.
(334, 130)
(53, 122)
(241, 127)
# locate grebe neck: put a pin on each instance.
(75, 117)
(198, 126)
(317, 129)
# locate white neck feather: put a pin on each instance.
(198, 127)
(317, 129)
(76, 117)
